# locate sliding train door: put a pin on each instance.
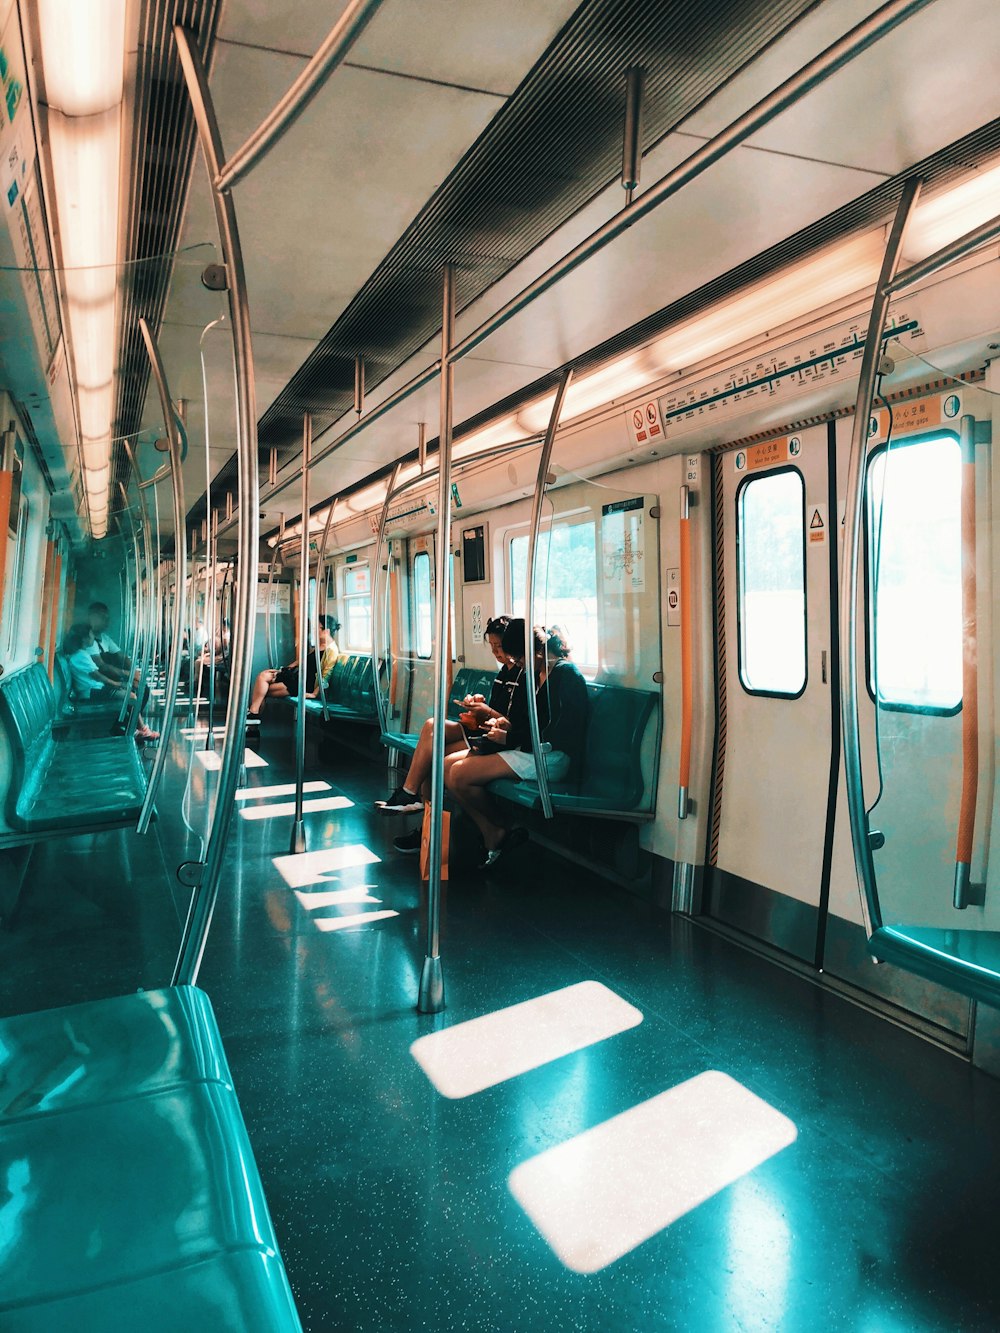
(768, 858)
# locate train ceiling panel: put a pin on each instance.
(474, 44)
(925, 85)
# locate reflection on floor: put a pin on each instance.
(620, 1122)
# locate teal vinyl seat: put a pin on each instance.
(470, 680)
(133, 1196)
(60, 785)
(611, 779)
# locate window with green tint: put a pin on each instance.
(565, 585)
(915, 575)
(771, 603)
(422, 614)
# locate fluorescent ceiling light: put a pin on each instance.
(483, 1052)
(944, 217)
(83, 61)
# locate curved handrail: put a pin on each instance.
(144, 584)
(541, 776)
(175, 436)
(970, 674)
(203, 899)
(853, 515)
(335, 46)
(210, 542)
(376, 570)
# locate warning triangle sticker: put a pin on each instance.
(816, 521)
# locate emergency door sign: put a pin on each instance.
(645, 424)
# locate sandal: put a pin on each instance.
(513, 838)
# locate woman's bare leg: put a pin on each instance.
(467, 780)
(420, 765)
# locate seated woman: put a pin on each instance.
(283, 682)
(563, 705)
(90, 681)
(479, 713)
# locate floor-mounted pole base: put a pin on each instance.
(431, 999)
(298, 843)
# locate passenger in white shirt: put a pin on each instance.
(112, 661)
(90, 679)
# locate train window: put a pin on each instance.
(422, 613)
(915, 575)
(356, 603)
(771, 593)
(566, 585)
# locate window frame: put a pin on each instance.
(745, 483)
(927, 710)
(344, 641)
(422, 657)
(15, 602)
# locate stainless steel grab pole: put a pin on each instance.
(529, 595)
(269, 649)
(210, 540)
(135, 614)
(338, 42)
(174, 438)
(430, 999)
(853, 516)
(948, 254)
(298, 842)
(321, 581)
(131, 716)
(377, 569)
(203, 898)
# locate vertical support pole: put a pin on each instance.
(54, 611)
(687, 673)
(970, 671)
(359, 384)
(204, 897)
(853, 516)
(321, 583)
(270, 651)
(298, 842)
(632, 149)
(431, 997)
(42, 638)
(531, 574)
(380, 542)
(211, 620)
(422, 445)
(175, 436)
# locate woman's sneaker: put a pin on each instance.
(408, 843)
(401, 802)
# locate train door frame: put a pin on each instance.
(774, 912)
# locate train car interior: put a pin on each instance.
(499, 677)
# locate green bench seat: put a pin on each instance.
(60, 785)
(350, 691)
(611, 780)
(470, 680)
(127, 1164)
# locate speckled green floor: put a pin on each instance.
(392, 1202)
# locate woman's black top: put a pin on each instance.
(289, 675)
(563, 710)
(504, 687)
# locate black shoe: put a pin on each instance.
(408, 843)
(401, 802)
(253, 720)
(514, 837)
